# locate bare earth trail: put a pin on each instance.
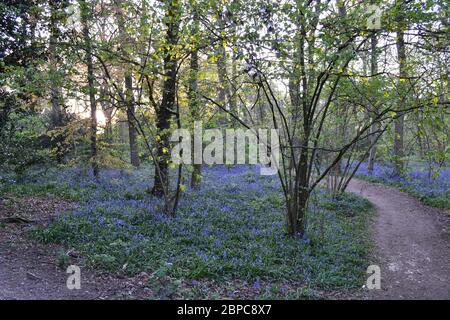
(412, 244)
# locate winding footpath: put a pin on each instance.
(412, 244)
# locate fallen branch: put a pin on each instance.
(15, 219)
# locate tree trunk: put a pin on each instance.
(55, 90)
(300, 120)
(129, 95)
(375, 125)
(222, 72)
(108, 112)
(165, 110)
(132, 131)
(303, 190)
(399, 121)
(193, 95)
(86, 16)
(56, 115)
(233, 87)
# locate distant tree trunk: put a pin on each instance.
(399, 121)
(132, 131)
(56, 115)
(55, 90)
(86, 17)
(233, 98)
(165, 110)
(108, 127)
(129, 95)
(222, 72)
(122, 125)
(374, 127)
(193, 95)
(108, 112)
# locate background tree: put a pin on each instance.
(86, 18)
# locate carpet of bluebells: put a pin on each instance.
(233, 228)
(432, 189)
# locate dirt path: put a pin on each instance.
(29, 270)
(413, 245)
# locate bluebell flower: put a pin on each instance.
(256, 285)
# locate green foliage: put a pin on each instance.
(20, 138)
(347, 204)
(62, 260)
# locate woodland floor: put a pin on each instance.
(412, 249)
(29, 270)
(412, 244)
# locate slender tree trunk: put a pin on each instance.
(107, 111)
(129, 95)
(222, 76)
(335, 172)
(399, 121)
(303, 192)
(86, 16)
(132, 131)
(193, 95)
(233, 88)
(222, 72)
(56, 116)
(122, 124)
(55, 89)
(297, 204)
(375, 126)
(165, 110)
(108, 128)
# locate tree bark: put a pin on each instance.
(55, 89)
(86, 16)
(107, 109)
(374, 127)
(193, 95)
(298, 91)
(399, 121)
(56, 115)
(129, 95)
(165, 110)
(222, 72)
